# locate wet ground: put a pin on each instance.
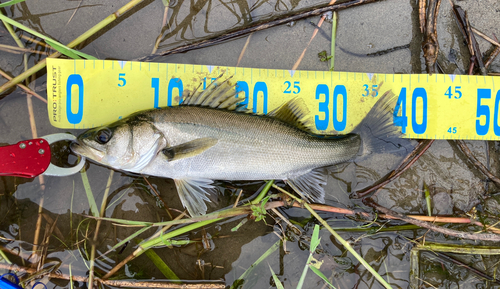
(390, 27)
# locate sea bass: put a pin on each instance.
(210, 137)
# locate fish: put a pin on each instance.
(212, 136)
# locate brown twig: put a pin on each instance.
(257, 27)
(159, 197)
(119, 283)
(432, 227)
(421, 148)
(463, 147)
(493, 54)
(465, 28)
(430, 45)
(496, 43)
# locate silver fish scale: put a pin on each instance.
(249, 147)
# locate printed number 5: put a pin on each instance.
(295, 86)
(122, 79)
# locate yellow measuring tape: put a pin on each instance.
(89, 93)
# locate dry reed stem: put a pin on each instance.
(244, 49)
(96, 233)
(19, 50)
(40, 65)
(432, 227)
(320, 22)
(485, 37)
(24, 87)
(118, 283)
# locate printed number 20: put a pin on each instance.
(338, 125)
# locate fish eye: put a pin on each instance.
(103, 136)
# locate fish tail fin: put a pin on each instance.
(377, 130)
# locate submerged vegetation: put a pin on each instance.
(404, 233)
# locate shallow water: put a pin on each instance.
(455, 185)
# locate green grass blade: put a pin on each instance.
(304, 273)
(340, 239)
(318, 272)
(165, 2)
(90, 196)
(165, 270)
(276, 280)
(2, 254)
(314, 239)
(266, 254)
(12, 2)
(56, 45)
(137, 233)
(428, 199)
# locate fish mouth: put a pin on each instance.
(86, 151)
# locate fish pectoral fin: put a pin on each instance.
(310, 185)
(193, 194)
(189, 149)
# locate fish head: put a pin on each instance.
(124, 145)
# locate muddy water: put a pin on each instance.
(455, 186)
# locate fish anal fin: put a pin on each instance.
(189, 149)
(295, 113)
(193, 194)
(310, 185)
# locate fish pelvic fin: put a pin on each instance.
(295, 113)
(310, 185)
(193, 194)
(189, 149)
(377, 130)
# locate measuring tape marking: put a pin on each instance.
(427, 107)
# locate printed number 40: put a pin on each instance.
(402, 120)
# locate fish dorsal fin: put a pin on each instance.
(293, 112)
(310, 185)
(219, 94)
(193, 194)
(189, 149)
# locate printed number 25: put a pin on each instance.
(295, 86)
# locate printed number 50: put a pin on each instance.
(484, 110)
